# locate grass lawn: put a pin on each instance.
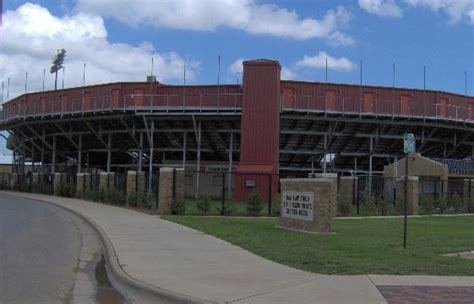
(360, 246)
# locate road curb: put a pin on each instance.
(112, 258)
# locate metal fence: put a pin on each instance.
(232, 187)
(434, 194)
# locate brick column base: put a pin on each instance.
(324, 191)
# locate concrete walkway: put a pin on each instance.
(189, 262)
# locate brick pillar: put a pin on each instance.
(87, 181)
(35, 179)
(82, 184)
(58, 179)
(166, 189)
(14, 180)
(333, 177)
(131, 182)
(412, 193)
(135, 179)
(141, 182)
(106, 180)
(323, 192)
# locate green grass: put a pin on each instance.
(360, 246)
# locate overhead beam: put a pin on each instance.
(64, 133)
(95, 133)
(39, 136)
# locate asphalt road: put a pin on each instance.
(49, 255)
(39, 251)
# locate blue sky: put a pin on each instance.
(409, 33)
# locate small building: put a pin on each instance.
(436, 176)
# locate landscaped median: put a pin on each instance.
(360, 246)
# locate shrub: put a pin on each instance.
(103, 195)
(92, 195)
(383, 205)
(455, 203)
(178, 207)
(143, 200)
(254, 204)
(41, 189)
(203, 205)
(228, 208)
(132, 199)
(368, 206)
(67, 190)
(399, 206)
(426, 204)
(344, 207)
(115, 197)
(276, 205)
(441, 204)
(470, 205)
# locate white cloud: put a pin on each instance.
(382, 8)
(287, 74)
(340, 39)
(208, 15)
(456, 10)
(237, 66)
(318, 61)
(31, 35)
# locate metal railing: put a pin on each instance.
(160, 102)
(461, 111)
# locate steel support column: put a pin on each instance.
(109, 152)
(184, 150)
(79, 155)
(53, 161)
(325, 153)
(150, 163)
(140, 154)
(32, 156)
(370, 165)
(231, 159)
(42, 152)
(198, 162)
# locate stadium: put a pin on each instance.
(251, 134)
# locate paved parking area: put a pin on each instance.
(428, 294)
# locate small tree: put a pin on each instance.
(344, 207)
(178, 207)
(254, 204)
(228, 208)
(203, 205)
(57, 65)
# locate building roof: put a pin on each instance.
(457, 166)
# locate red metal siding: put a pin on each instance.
(405, 105)
(369, 102)
(331, 100)
(382, 100)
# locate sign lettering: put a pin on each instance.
(298, 205)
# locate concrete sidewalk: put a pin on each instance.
(186, 261)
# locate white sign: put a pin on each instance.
(217, 169)
(409, 143)
(297, 205)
